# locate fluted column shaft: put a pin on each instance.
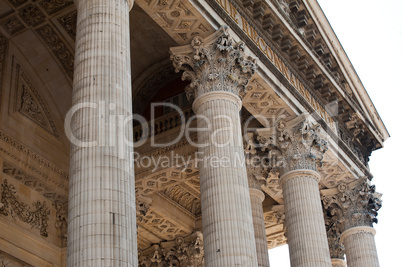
(360, 248)
(338, 263)
(225, 201)
(306, 234)
(102, 217)
(256, 199)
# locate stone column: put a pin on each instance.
(354, 207)
(298, 148)
(360, 247)
(218, 71)
(256, 176)
(102, 215)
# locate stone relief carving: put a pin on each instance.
(143, 203)
(12, 24)
(69, 23)
(179, 18)
(31, 181)
(181, 252)
(216, 63)
(30, 154)
(60, 50)
(32, 15)
(298, 144)
(53, 6)
(161, 226)
(36, 217)
(353, 204)
(61, 221)
(30, 103)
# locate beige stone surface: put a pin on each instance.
(225, 201)
(102, 216)
(360, 248)
(307, 239)
(256, 198)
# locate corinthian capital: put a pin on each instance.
(293, 145)
(216, 63)
(351, 205)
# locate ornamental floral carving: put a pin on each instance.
(61, 221)
(183, 251)
(297, 144)
(336, 249)
(216, 63)
(10, 205)
(143, 203)
(351, 205)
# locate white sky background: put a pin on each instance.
(371, 34)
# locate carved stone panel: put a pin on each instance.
(178, 17)
(30, 103)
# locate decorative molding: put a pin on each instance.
(32, 15)
(39, 186)
(69, 23)
(357, 230)
(177, 17)
(143, 203)
(183, 251)
(184, 198)
(12, 24)
(30, 103)
(30, 154)
(216, 63)
(53, 6)
(57, 46)
(161, 226)
(61, 221)
(10, 205)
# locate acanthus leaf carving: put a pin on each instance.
(61, 221)
(184, 251)
(216, 63)
(297, 144)
(11, 205)
(354, 204)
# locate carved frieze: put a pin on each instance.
(26, 152)
(351, 205)
(183, 251)
(37, 216)
(216, 63)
